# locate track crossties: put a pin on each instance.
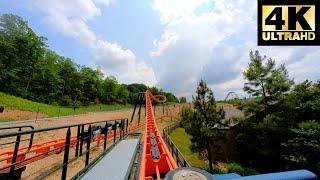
(156, 158)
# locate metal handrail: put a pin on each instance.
(20, 129)
(69, 142)
(180, 159)
(17, 127)
(4, 135)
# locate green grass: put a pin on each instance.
(172, 103)
(183, 141)
(12, 102)
(237, 168)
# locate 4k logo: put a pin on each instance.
(288, 22)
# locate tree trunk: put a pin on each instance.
(28, 81)
(264, 94)
(209, 155)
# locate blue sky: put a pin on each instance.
(124, 22)
(171, 44)
(131, 24)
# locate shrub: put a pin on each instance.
(237, 168)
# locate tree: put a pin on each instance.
(277, 115)
(25, 49)
(303, 151)
(183, 100)
(46, 80)
(171, 97)
(71, 85)
(134, 89)
(202, 125)
(9, 66)
(266, 83)
(109, 89)
(91, 84)
(303, 102)
(266, 125)
(154, 90)
(122, 94)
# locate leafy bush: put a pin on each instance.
(215, 171)
(237, 168)
(186, 114)
(303, 151)
(235, 102)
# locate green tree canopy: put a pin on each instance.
(267, 84)
(304, 149)
(182, 99)
(274, 116)
(202, 124)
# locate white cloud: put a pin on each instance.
(172, 11)
(211, 40)
(105, 2)
(307, 67)
(197, 52)
(75, 28)
(163, 44)
(76, 9)
(233, 85)
(202, 39)
(70, 19)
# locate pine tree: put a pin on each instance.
(205, 120)
(266, 83)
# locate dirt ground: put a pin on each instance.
(77, 119)
(90, 117)
(10, 114)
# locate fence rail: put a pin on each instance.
(176, 154)
(79, 138)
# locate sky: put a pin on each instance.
(171, 44)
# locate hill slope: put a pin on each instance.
(20, 109)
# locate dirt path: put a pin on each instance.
(69, 120)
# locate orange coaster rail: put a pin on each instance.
(156, 159)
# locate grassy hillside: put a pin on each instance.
(16, 105)
(183, 141)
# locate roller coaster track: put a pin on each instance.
(156, 159)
